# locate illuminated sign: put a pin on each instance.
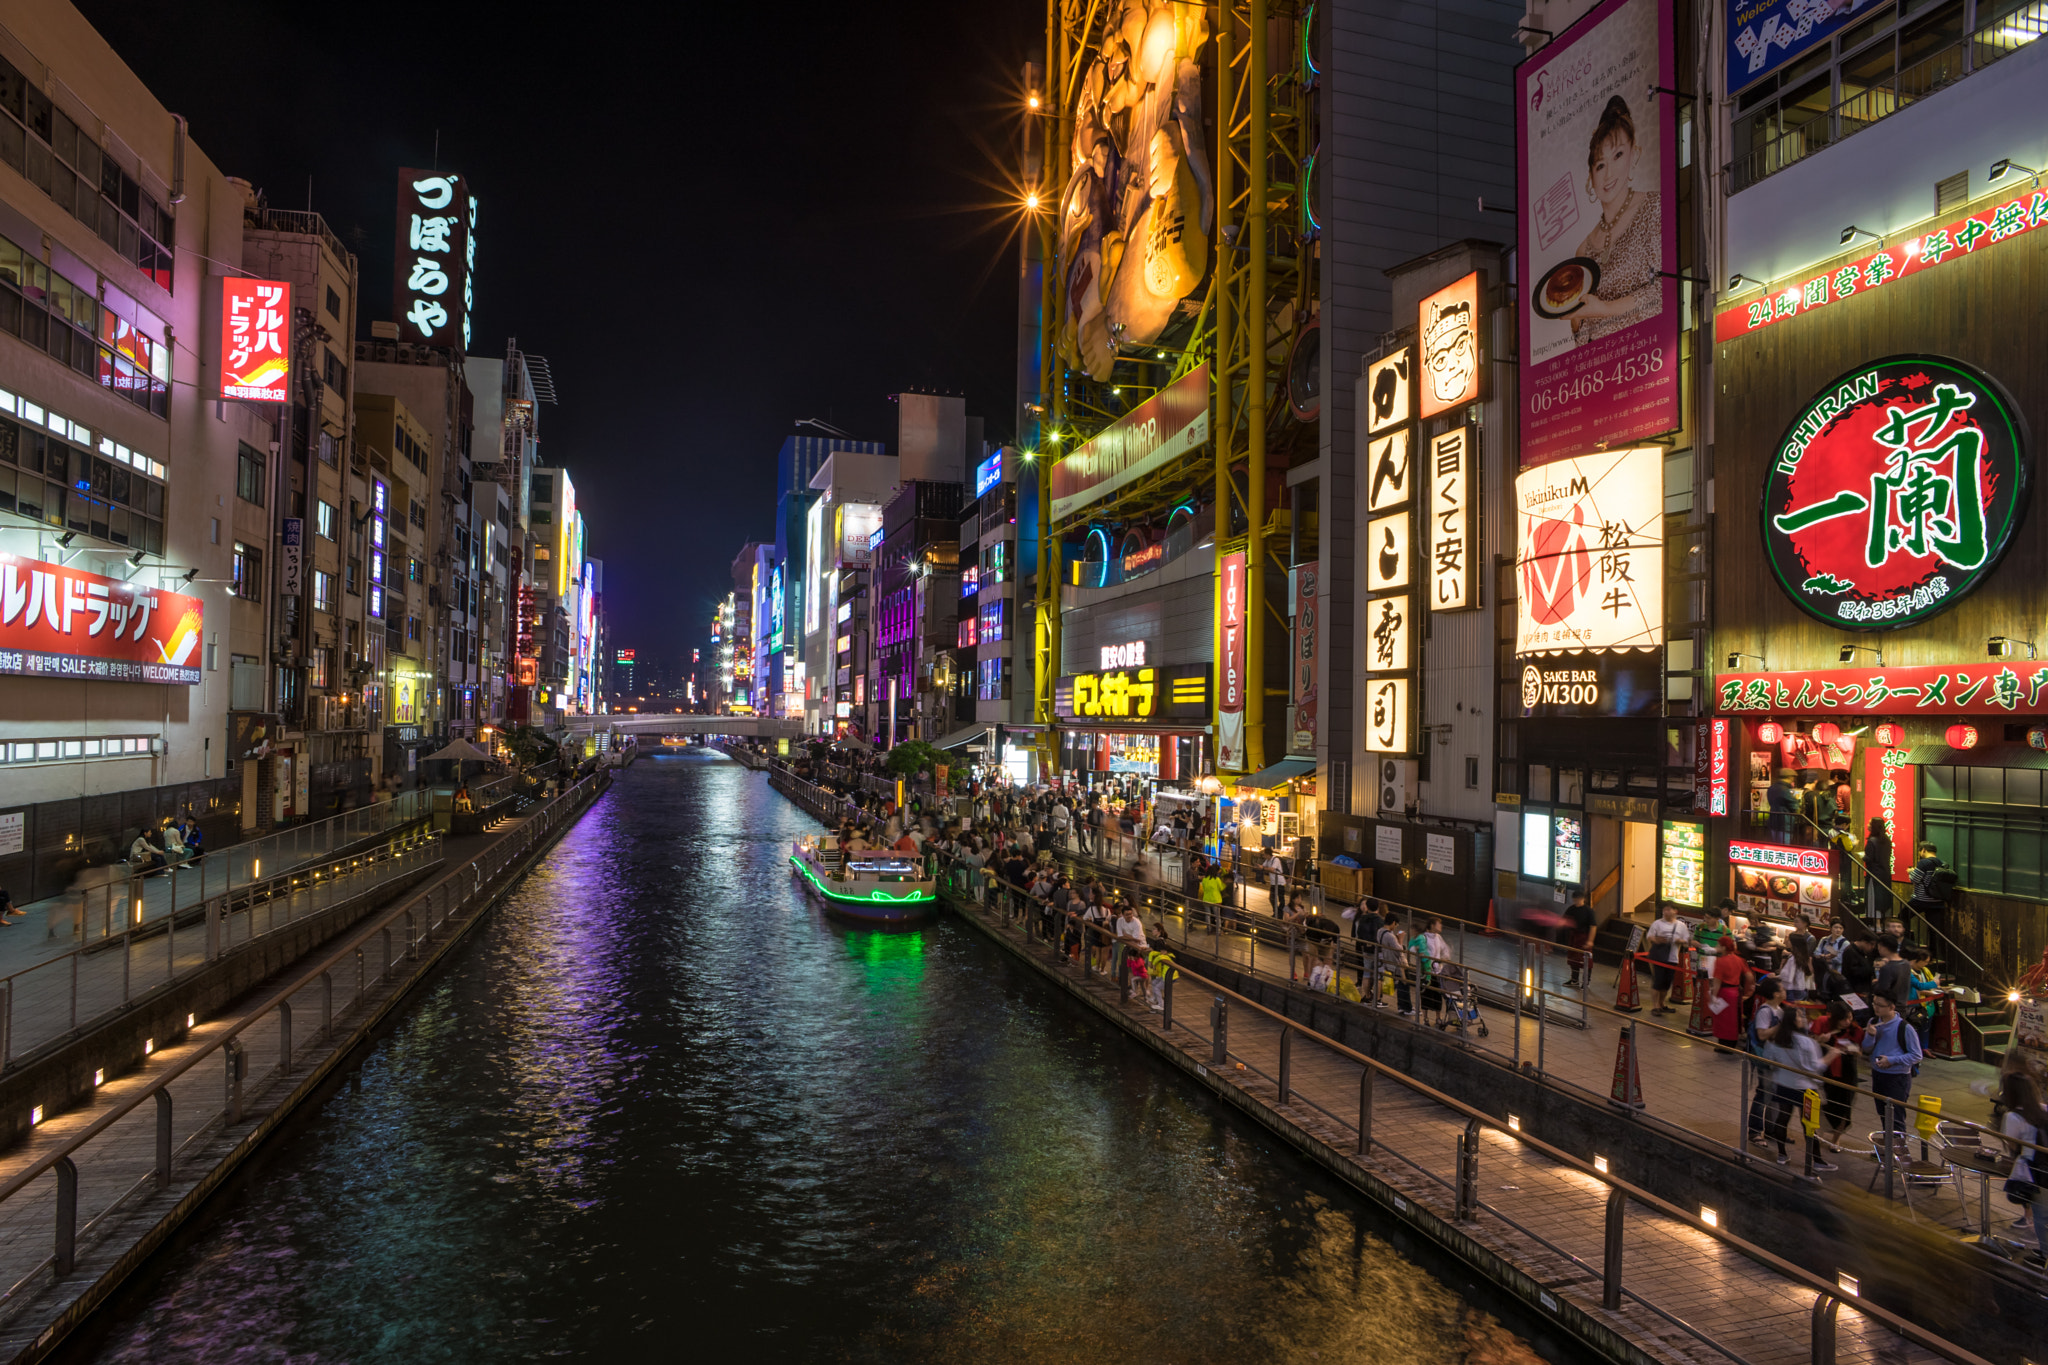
(1389, 558)
(626, 656)
(1121, 694)
(1308, 632)
(988, 473)
(1450, 546)
(1145, 558)
(1535, 843)
(565, 530)
(1809, 860)
(1889, 790)
(1566, 842)
(1389, 391)
(775, 608)
(1591, 556)
(1164, 427)
(814, 543)
(59, 622)
(1682, 864)
(380, 511)
(858, 524)
(1579, 684)
(1230, 661)
(1387, 716)
(1895, 493)
(1954, 689)
(1389, 635)
(1135, 693)
(1130, 655)
(1447, 324)
(1389, 463)
(1952, 242)
(1716, 757)
(255, 339)
(436, 258)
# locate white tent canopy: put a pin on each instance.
(462, 750)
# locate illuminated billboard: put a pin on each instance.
(1135, 215)
(255, 339)
(436, 258)
(60, 622)
(1591, 553)
(859, 524)
(1448, 324)
(988, 473)
(565, 516)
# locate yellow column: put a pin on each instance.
(1254, 323)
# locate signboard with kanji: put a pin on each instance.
(1591, 553)
(1895, 492)
(1994, 688)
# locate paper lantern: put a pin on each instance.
(1827, 732)
(1889, 734)
(1962, 736)
(2037, 738)
(1770, 732)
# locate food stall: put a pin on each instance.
(1789, 889)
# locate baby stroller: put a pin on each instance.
(1458, 1002)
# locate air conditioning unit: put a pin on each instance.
(1396, 785)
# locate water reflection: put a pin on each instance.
(660, 1106)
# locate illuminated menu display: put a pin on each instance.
(1567, 844)
(1682, 863)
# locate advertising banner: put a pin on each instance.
(1890, 793)
(1765, 34)
(1591, 555)
(1230, 681)
(1598, 227)
(1682, 863)
(435, 258)
(66, 623)
(1895, 493)
(1994, 688)
(255, 339)
(1308, 625)
(1164, 427)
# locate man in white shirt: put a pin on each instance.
(1276, 881)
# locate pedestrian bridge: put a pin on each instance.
(751, 727)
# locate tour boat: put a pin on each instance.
(875, 887)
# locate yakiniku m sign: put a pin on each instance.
(1591, 554)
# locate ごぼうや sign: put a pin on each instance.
(1895, 492)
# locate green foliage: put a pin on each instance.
(913, 757)
(529, 745)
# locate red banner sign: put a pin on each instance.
(1812, 861)
(1890, 786)
(255, 339)
(1950, 690)
(66, 623)
(1710, 766)
(1159, 430)
(1952, 242)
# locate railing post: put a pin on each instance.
(284, 1037)
(1825, 1307)
(1165, 1023)
(6, 1021)
(127, 961)
(163, 1138)
(67, 1215)
(1365, 1112)
(1617, 1207)
(233, 1052)
(74, 989)
(388, 963)
(1468, 1171)
(327, 1005)
(1286, 1062)
(1742, 1089)
(1219, 1021)
(171, 946)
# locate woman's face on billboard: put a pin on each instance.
(1614, 161)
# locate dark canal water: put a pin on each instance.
(660, 1109)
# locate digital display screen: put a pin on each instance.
(1535, 843)
(1567, 835)
(988, 473)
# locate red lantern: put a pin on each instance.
(1827, 732)
(2037, 738)
(1889, 735)
(1962, 736)
(1770, 732)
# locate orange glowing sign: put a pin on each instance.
(255, 339)
(1447, 323)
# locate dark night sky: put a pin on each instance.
(711, 219)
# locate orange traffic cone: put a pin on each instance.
(1681, 981)
(1701, 1024)
(1626, 998)
(1627, 1090)
(1492, 924)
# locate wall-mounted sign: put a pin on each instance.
(1890, 787)
(858, 522)
(988, 473)
(1592, 684)
(1591, 555)
(1389, 553)
(1230, 662)
(1389, 391)
(1954, 241)
(1716, 762)
(1955, 689)
(1386, 843)
(1596, 131)
(1813, 861)
(1308, 629)
(1389, 464)
(1450, 521)
(1159, 430)
(1895, 492)
(1143, 694)
(1536, 843)
(1388, 718)
(1682, 864)
(1765, 34)
(291, 558)
(435, 259)
(1131, 655)
(1567, 841)
(1389, 635)
(1447, 323)
(255, 339)
(60, 622)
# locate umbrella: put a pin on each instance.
(462, 751)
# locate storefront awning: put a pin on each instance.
(967, 736)
(1275, 775)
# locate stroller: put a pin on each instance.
(1457, 1001)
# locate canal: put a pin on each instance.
(659, 1107)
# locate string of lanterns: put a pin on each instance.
(1839, 747)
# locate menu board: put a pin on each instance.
(1682, 864)
(1567, 838)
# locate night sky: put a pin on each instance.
(711, 219)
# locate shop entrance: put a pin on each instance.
(1622, 872)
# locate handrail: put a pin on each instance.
(44, 1164)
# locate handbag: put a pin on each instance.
(2022, 1191)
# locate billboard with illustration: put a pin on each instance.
(1596, 135)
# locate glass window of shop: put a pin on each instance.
(1990, 825)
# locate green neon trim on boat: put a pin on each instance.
(872, 898)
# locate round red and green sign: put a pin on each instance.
(1895, 492)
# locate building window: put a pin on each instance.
(412, 627)
(323, 591)
(323, 661)
(333, 304)
(248, 579)
(419, 514)
(330, 447)
(1990, 825)
(354, 577)
(967, 633)
(413, 570)
(248, 474)
(333, 373)
(329, 519)
(995, 622)
(46, 479)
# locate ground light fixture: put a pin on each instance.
(1848, 1283)
(1709, 1217)
(1515, 1120)
(1600, 1164)
(2004, 165)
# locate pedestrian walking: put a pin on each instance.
(1578, 929)
(1788, 1046)
(1666, 937)
(1731, 976)
(1839, 1031)
(1276, 882)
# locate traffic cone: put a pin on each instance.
(1626, 998)
(1681, 982)
(1627, 1089)
(1492, 924)
(1701, 1024)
